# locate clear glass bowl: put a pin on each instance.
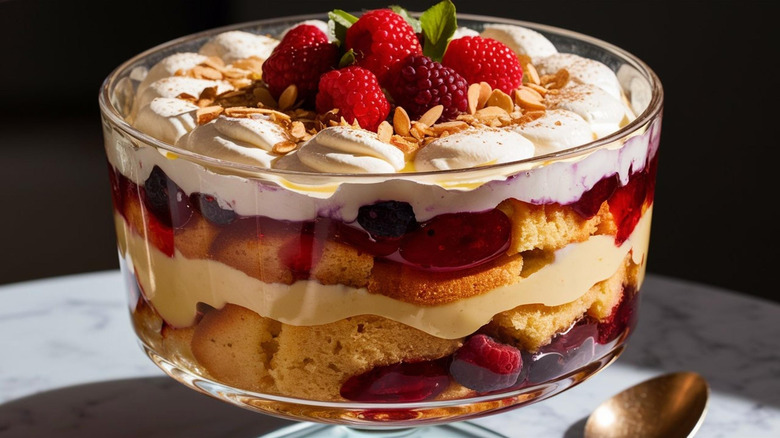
(263, 288)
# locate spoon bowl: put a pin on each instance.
(671, 405)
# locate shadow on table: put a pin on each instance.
(144, 407)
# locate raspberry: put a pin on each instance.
(483, 59)
(300, 58)
(418, 83)
(304, 35)
(401, 382)
(484, 365)
(355, 92)
(381, 38)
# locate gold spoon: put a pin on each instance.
(670, 406)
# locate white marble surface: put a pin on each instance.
(70, 367)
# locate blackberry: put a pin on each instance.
(209, 208)
(386, 219)
(419, 83)
(165, 200)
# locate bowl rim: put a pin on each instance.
(110, 113)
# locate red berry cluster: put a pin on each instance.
(388, 58)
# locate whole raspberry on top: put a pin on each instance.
(418, 83)
(381, 38)
(356, 93)
(304, 35)
(484, 59)
(300, 58)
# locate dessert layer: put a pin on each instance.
(291, 198)
(175, 285)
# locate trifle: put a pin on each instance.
(383, 217)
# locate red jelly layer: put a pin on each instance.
(450, 241)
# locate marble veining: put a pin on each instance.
(71, 367)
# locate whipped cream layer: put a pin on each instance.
(274, 196)
(593, 92)
(175, 285)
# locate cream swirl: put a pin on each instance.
(581, 71)
(521, 40)
(473, 148)
(234, 45)
(167, 118)
(604, 113)
(240, 140)
(168, 66)
(173, 86)
(343, 149)
(556, 130)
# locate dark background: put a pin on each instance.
(713, 219)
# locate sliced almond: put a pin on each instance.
(556, 81)
(448, 127)
(264, 97)
(432, 115)
(502, 100)
(473, 96)
(532, 74)
(538, 88)
(202, 72)
(406, 146)
(214, 62)
(529, 99)
(288, 97)
(484, 94)
(401, 121)
(187, 97)
(207, 114)
(384, 131)
(298, 129)
(253, 64)
(208, 93)
(491, 111)
(284, 147)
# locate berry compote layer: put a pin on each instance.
(380, 225)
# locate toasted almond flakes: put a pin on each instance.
(532, 74)
(207, 114)
(432, 115)
(298, 129)
(288, 97)
(406, 146)
(473, 97)
(384, 131)
(538, 88)
(529, 99)
(491, 111)
(401, 121)
(202, 72)
(484, 94)
(502, 100)
(284, 147)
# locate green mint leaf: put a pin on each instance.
(438, 25)
(415, 23)
(347, 59)
(341, 20)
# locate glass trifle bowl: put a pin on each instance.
(441, 263)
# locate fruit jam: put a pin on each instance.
(485, 366)
(386, 230)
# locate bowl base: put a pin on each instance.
(463, 429)
(375, 419)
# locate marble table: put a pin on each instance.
(71, 367)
